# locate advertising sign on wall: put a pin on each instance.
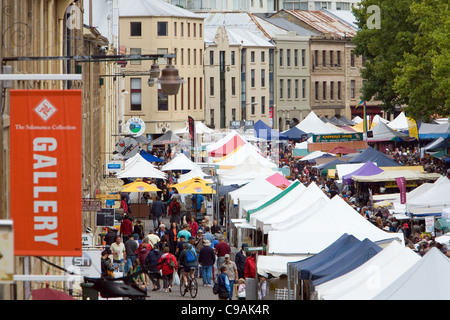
(45, 171)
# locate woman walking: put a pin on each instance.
(168, 265)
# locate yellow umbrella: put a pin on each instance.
(194, 186)
(139, 186)
(193, 180)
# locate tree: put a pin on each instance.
(383, 47)
(423, 76)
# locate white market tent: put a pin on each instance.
(432, 201)
(241, 154)
(227, 144)
(344, 169)
(200, 128)
(140, 168)
(180, 162)
(313, 124)
(377, 119)
(194, 173)
(296, 187)
(287, 211)
(400, 123)
(431, 272)
(258, 187)
(369, 279)
(276, 265)
(324, 227)
(248, 169)
(313, 155)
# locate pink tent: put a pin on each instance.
(278, 180)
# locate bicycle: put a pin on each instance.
(192, 286)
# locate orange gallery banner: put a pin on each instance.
(45, 177)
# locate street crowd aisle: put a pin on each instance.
(204, 293)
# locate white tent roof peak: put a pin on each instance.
(313, 124)
(180, 162)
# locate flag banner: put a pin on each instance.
(401, 183)
(191, 124)
(46, 172)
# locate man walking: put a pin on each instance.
(130, 250)
(222, 248)
(206, 259)
(232, 273)
(157, 211)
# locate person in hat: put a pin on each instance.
(232, 273)
(206, 259)
(240, 258)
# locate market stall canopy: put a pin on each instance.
(434, 131)
(368, 169)
(278, 180)
(140, 168)
(149, 157)
(139, 186)
(250, 168)
(180, 162)
(347, 121)
(241, 154)
(342, 150)
(431, 271)
(194, 173)
(324, 227)
(264, 131)
(313, 124)
(226, 145)
(400, 122)
(439, 143)
(392, 175)
(432, 201)
(294, 133)
(381, 132)
(370, 154)
(195, 186)
(200, 128)
(167, 138)
(390, 264)
(257, 187)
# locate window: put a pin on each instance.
(162, 28)
(233, 58)
(195, 92)
(324, 90)
(211, 86)
(288, 57)
(182, 29)
(188, 29)
(331, 59)
(296, 89)
(303, 88)
(303, 57)
(253, 105)
(135, 51)
(352, 89)
(135, 29)
(195, 57)
(316, 90)
(296, 57)
(288, 88)
(352, 59)
(263, 78)
(263, 56)
(163, 102)
(281, 57)
(194, 31)
(211, 116)
(136, 94)
(211, 58)
(252, 78)
(233, 114)
(252, 56)
(174, 29)
(324, 58)
(201, 92)
(200, 32)
(339, 90)
(263, 105)
(281, 88)
(332, 90)
(233, 86)
(338, 53)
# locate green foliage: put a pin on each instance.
(407, 58)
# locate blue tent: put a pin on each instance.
(370, 154)
(346, 262)
(263, 131)
(149, 157)
(293, 133)
(341, 245)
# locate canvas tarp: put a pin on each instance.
(431, 272)
(224, 146)
(368, 169)
(138, 167)
(381, 132)
(313, 124)
(432, 201)
(369, 279)
(323, 228)
(392, 175)
(290, 212)
(257, 187)
(370, 154)
(434, 131)
(180, 162)
(239, 155)
(264, 131)
(293, 133)
(249, 169)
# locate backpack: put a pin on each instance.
(190, 256)
(174, 209)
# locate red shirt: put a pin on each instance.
(250, 268)
(222, 248)
(126, 227)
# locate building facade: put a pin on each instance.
(161, 28)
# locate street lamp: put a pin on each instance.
(170, 80)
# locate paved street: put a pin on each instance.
(204, 293)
